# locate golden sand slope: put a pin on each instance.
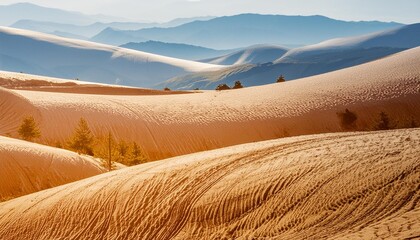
(333, 185)
(28, 167)
(179, 124)
(22, 81)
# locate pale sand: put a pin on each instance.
(27, 167)
(346, 185)
(174, 125)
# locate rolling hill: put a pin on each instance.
(400, 38)
(308, 61)
(251, 55)
(248, 29)
(42, 54)
(173, 125)
(330, 186)
(176, 50)
(27, 167)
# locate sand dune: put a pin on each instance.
(28, 167)
(21, 81)
(174, 125)
(251, 55)
(39, 53)
(322, 186)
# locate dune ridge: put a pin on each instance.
(28, 167)
(14, 108)
(167, 126)
(310, 187)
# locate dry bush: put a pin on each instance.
(281, 79)
(347, 119)
(82, 139)
(237, 85)
(222, 86)
(29, 129)
(384, 122)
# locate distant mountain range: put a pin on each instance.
(177, 50)
(90, 30)
(9, 14)
(246, 30)
(307, 61)
(83, 31)
(48, 55)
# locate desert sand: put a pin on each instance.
(173, 125)
(28, 167)
(22, 81)
(330, 186)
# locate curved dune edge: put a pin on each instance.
(13, 108)
(28, 167)
(22, 81)
(320, 186)
(167, 126)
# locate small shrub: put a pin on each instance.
(237, 85)
(196, 89)
(384, 122)
(222, 87)
(29, 129)
(281, 79)
(82, 139)
(136, 155)
(347, 119)
(167, 89)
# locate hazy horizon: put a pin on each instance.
(405, 11)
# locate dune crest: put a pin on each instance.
(173, 125)
(319, 186)
(27, 167)
(13, 108)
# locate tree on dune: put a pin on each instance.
(222, 86)
(29, 129)
(281, 79)
(347, 119)
(82, 139)
(237, 85)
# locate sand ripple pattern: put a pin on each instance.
(28, 167)
(349, 185)
(167, 126)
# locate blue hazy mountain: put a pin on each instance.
(10, 14)
(90, 30)
(308, 61)
(261, 53)
(84, 31)
(176, 50)
(248, 29)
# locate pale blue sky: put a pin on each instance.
(406, 11)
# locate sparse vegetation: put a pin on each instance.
(82, 139)
(29, 129)
(222, 86)
(347, 119)
(281, 79)
(237, 85)
(167, 89)
(384, 122)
